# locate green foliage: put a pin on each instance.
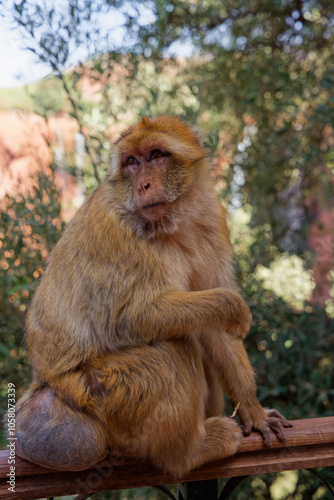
(47, 96)
(292, 485)
(29, 226)
(289, 342)
(291, 347)
(15, 99)
(288, 279)
(293, 355)
(43, 97)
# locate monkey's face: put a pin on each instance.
(154, 165)
(152, 180)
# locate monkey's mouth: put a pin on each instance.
(154, 211)
(153, 205)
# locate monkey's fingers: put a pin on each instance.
(276, 414)
(247, 428)
(276, 422)
(242, 322)
(264, 430)
(266, 434)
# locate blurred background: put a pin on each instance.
(257, 77)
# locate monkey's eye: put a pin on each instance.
(131, 160)
(156, 153)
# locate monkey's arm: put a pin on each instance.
(175, 313)
(238, 379)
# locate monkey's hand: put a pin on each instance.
(263, 421)
(238, 318)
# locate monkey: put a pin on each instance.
(138, 323)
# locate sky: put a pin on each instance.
(17, 66)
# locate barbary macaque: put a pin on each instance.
(138, 321)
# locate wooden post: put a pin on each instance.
(310, 444)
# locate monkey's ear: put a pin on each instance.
(199, 136)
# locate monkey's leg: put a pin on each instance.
(214, 404)
(238, 379)
(158, 398)
(216, 437)
(51, 434)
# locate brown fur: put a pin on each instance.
(138, 317)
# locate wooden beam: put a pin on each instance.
(310, 444)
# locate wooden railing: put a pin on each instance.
(310, 444)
